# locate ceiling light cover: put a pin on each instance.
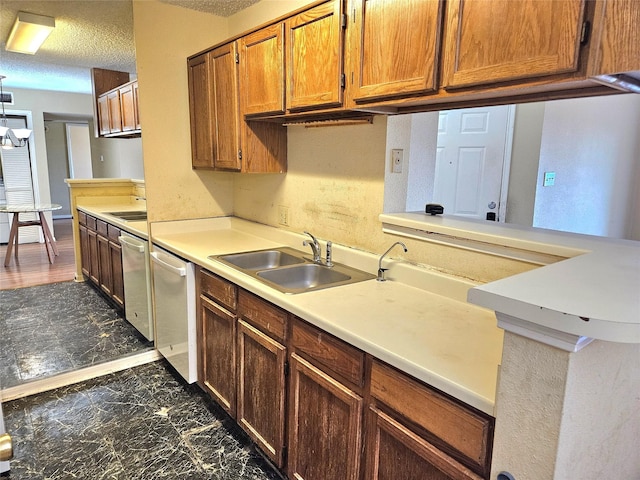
(29, 32)
(11, 137)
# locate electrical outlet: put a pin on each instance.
(549, 179)
(396, 160)
(283, 215)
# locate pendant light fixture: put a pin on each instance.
(11, 137)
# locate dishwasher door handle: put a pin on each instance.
(181, 271)
(125, 242)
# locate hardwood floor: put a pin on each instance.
(33, 267)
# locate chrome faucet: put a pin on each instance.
(382, 270)
(315, 246)
(317, 251)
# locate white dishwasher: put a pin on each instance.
(174, 293)
(137, 283)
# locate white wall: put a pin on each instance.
(525, 154)
(593, 146)
(40, 102)
(117, 158)
(58, 166)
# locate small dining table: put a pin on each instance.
(39, 208)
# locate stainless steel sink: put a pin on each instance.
(262, 259)
(309, 275)
(133, 215)
(291, 271)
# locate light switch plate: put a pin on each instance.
(396, 160)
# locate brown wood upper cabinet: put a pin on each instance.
(213, 105)
(118, 111)
(315, 58)
(493, 41)
(128, 107)
(262, 67)
(395, 48)
(220, 138)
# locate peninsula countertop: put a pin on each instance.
(418, 321)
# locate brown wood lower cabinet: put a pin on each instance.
(458, 430)
(261, 389)
(394, 451)
(101, 255)
(324, 425)
(218, 358)
(330, 412)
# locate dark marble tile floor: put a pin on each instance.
(50, 329)
(142, 423)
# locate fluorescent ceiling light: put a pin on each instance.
(29, 32)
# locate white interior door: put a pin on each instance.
(472, 156)
(18, 182)
(79, 150)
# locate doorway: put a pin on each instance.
(472, 161)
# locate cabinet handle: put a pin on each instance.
(155, 257)
(125, 242)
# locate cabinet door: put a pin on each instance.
(127, 108)
(117, 279)
(315, 65)
(201, 112)
(115, 116)
(104, 258)
(84, 250)
(94, 261)
(226, 108)
(262, 71)
(218, 355)
(325, 420)
(394, 451)
(103, 115)
(490, 41)
(396, 48)
(261, 390)
(136, 108)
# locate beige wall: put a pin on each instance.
(165, 36)
(563, 415)
(38, 102)
(334, 186)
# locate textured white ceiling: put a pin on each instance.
(88, 33)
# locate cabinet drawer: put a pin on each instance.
(329, 352)
(102, 227)
(113, 233)
(219, 289)
(262, 315)
(463, 429)
(82, 218)
(91, 222)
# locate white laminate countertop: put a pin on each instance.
(595, 295)
(444, 341)
(105, 205)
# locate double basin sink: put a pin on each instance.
(129, 216)
(291, 271)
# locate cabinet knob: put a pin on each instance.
(6, 447)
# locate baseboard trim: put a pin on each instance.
(80, 375)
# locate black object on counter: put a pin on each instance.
(434, 209)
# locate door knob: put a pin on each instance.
(6, 447)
